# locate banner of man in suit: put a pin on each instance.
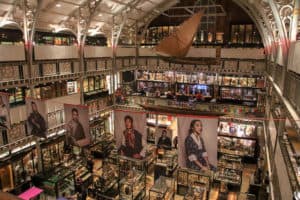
(77, 125)
(37, 123)
(130, 133)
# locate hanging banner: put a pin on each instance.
(197, 142)
(77, 125)
(163, 138)
(130, 133)
(36, 117)
(4, 111)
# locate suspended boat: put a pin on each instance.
(180, 111)
(175, 47)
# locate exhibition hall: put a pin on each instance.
(149, 99)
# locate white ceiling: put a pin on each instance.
(57, 14)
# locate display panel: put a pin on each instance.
(77, 125)
(130, 133)
(36, 117)
(4, 111)
(197, 142)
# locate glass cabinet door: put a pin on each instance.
(18, 172)
(28, 165)
(85, 85)
(55, 154)
(46, 159)
(6, 178)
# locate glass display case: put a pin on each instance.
(83, 175)
(105, 182)
(237, 128)
(166, 76)
(163, 189)
(6, 178)
(229, 175)
(167, 159)
(52, 153)
(188, 178)
(197, 191)
(236, 146)
(133, 185)
(201, 92)
(102, 148)
(230, 162)
(61, 183)
(24, 166)
(243, 90)
(150, 155)
(126, 164)
(238, 137)
(153, 88)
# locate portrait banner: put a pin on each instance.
(37, 123)
(163, 138)
(4, 111)
(130, 133)
(197, 142)
(77, 125)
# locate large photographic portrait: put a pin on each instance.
(36, 117)
(130, 133)
(77, 125)
(163, 138)
(4, 111)
(197, 143)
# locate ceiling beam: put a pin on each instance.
(207, 15)
(189, 10)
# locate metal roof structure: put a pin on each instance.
(277, 20)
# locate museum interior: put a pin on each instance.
(149, 99)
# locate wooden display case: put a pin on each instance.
(60, 183)
(168, 161)
(163, 188)
(188, 178)
(133, 185)
(52, 153)
(105, 182)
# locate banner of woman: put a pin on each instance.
(197, 142)
(130, 133)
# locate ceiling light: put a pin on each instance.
(58, 5)
(100, 15)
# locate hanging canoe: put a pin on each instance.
(179, 42)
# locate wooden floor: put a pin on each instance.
(214, 193)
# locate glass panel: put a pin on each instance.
(6, 178)
(18, 172)
(91, 84)
(249, 34)
(85, 85)
(241, 34)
